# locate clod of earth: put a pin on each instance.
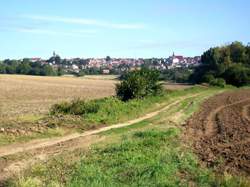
(222, 132)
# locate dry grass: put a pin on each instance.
(101, 77)
(24, 95)
(176, 86)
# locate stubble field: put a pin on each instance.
(33, 95)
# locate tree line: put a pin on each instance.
(27, 67)
(229, 63)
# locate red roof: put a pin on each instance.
(179, 57)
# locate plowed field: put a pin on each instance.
(221, 132)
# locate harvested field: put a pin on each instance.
(21, 94)
(25, 95)
(176, 86)
(221, 132)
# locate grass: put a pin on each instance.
(112, 110)
(149, 153)
(25, 103)
(87, 115)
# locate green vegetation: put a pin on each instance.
(179, 75)
(231, 63)
(218, 82)
(113, 110)
(26, 67)
(151, 153)
(79, 115)
(139, 84)
(147, 158)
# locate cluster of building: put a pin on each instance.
(106, 65)
(114, 62)
(180, 61)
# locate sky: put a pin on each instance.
(119, 28)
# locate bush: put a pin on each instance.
(112, 110)
(208, 78)
(139, 84)
(76, 107)
(238, 75)
(218, 82)
(81, 74)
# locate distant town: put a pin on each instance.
(110, 65)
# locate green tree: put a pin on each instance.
(238, 52)
(237, 75)
(24, 68)
(108, 58)
(139, 84)
(11, 69)
(35, 71)
(231, 63)
(60, 71)
(47, 70)
(2, 68)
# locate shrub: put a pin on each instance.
(139, 84)
(238, 75)
(76, 107)
(81, 74)
(218, 82)
(208, 78)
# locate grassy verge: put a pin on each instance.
(149, 153)
(112, 110)
(69, 117)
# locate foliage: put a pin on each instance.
(76, 107)
(81, 73)
(180, 75)
(91, 71)
(149, 155)
(237, 75)
(26, 67)
(60, 71)
(139, 84)
(231, 62)
(218, 82)
(113, 110)
(108, 59)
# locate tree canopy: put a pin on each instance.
(26, 67)
(138, 84)
(230, 62)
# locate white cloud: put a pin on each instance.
(82, 21)
(77, 33)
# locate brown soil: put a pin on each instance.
(221, 132)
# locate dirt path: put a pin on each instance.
(18, 148)
(40, 150)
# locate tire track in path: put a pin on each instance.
(41, 143)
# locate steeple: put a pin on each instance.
(173, 54)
